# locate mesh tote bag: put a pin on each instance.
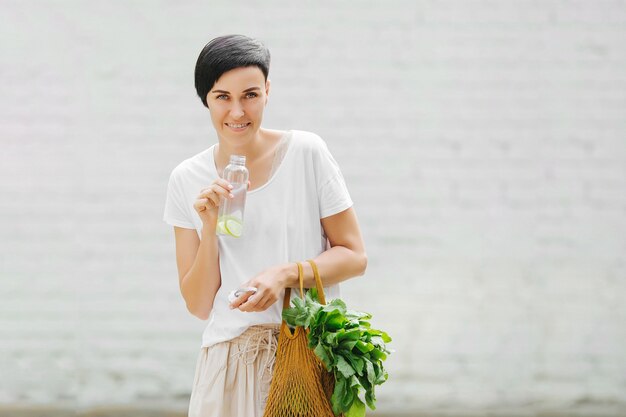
(301, 386)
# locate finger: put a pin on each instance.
(240, 300)
(200, 204)
(265, 303)
(216, 195)
(223, 183)
(251, 303)
(214, 190)
(214, 200)
(220, 188)
(217, 186)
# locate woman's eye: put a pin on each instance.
(222, 97)
(251, 95)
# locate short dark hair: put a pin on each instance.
(224, 54)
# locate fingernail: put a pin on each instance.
(231, 195)
(230, 186)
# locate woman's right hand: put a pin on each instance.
(208, 201)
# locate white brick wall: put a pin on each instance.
(483, 143)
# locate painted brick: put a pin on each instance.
(482, 143)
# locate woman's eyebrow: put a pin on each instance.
(245, 91)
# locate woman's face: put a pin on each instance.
(236, 103)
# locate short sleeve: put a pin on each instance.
(331, 186)
(176, 212)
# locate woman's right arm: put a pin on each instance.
(198, 269)
(197, 259)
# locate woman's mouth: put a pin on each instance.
(238, 126)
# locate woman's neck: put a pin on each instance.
(250, 150)
(263, 143)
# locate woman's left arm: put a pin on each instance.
(345, 259)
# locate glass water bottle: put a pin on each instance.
(230, 213)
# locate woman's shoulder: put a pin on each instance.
(308, 140)
(300, 138)
(194, 164)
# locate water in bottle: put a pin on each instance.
(230, 213)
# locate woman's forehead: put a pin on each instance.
(240, 79)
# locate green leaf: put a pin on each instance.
(382, 377)
(364, 347)
(371, 375)
(321, 353)
(331, 339)
(289, 315)
(370, 333)
(377, 341)
(334, 321)
(386, 337)
(344, 367)
(314, 309)
(357, 314)
(336, 305)
(370, 398)
(356, 362)
(348, 398)
(338, 302)
(338, 395)
(349, 335)
(298, 303)
(377, 368)
(348, 345)
(301, 319)
(377, 354)
(351, 324)
(357, 409)
(320, 316)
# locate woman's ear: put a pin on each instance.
(267, 90)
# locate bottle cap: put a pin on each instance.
(238, 159)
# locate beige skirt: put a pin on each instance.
(232, 378)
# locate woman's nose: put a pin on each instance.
(236, 111)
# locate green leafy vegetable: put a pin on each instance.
(347, 346)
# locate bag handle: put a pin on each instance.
(318, 284)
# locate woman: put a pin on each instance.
(297, 208)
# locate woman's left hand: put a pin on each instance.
(270, 286)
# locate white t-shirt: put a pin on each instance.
(281, 223)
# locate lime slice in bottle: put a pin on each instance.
(233, 226)
(221, 225)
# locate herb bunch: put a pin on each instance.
(347, 345)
